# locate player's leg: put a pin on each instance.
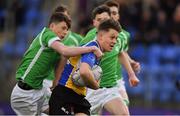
(96, 99)
(116, 106)
(22, 101)
(57, 102)
(46, 84)
(122, 91)
(114, 103)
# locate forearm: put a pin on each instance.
(129, 58)
(126, 63)
(58, 70)
(71, 51)
(88, 78)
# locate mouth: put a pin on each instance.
(62, 37)
(111, 46)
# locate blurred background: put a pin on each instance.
(154, 26)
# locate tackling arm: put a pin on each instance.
(74, 51)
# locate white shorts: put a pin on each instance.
(98, 98)
(122, 88)
(121, 84)
(28, 102)
(47, 84)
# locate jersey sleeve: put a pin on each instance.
(49, 37)
(126, 42)
(89, 58)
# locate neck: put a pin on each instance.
(100, 45)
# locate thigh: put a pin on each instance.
(122, 91)
(22, 102)
(60, 102)
(47, 95)
(114, 102)
(96, 99)
(116, 107)
(83, 106)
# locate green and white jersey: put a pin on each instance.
(39, 59)
(126, 37)
(89, 36)
(72, 39)
(110, 61)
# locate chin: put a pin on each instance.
(108, 50)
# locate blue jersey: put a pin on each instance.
(73, 64)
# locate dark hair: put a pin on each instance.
(59, 17)
(100, 9)
(111, 3)
(109, 24)
(61, 8)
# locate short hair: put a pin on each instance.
(109, 24)
(61, 8)
(59, 17)
(111, 3)
(100, 9)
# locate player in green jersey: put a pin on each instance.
(109, 92)
(71, 39)
(38, 61)
(114, 7)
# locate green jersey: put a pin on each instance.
(89, 36)
(110, 62)
(39, 59)
(125, 36)
(72, 39)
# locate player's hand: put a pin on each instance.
(97, 51)
(133, 81)
(136, 66)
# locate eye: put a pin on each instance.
(64, 28)
(114, 13)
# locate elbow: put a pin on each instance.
(83, 73)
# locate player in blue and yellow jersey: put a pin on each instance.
(68, 98)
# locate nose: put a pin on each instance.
(114, 41)
(65, 32)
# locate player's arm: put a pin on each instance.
(58, 70)
(133, 80)
(74, 51)
(134, 64)
(87, 62)
(87, 76)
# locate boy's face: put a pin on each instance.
(61, 29)
(114, 13)
(108, 39)
(99, 18)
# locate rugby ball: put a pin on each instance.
(77, 80)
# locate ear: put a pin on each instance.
(94, 23)
(100, 34)
(51, 26)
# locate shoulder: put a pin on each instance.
(92, 43)
(92, 31)
(48, 32)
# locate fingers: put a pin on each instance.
(136, 67)
(134, 82)
(98, 53)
